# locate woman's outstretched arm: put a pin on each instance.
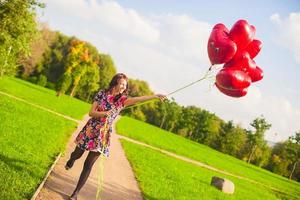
(134, 100)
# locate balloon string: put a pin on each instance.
(100, 176)
(206, 75)
(188, 85)
(101, 162)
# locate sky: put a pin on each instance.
(164, 42)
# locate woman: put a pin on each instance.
(95, 135)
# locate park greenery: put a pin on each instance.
(229, 165)
(164, 177)
(70, 66)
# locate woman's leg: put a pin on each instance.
(76, 154)
(87, 167)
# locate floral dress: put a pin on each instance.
(95, 135)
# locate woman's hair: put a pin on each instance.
(114, 82)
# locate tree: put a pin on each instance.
(139, 88)
(256, 139)
(278, 161)
(285, 158)
(78, 60)
(32, 65)
(293, 151)
(187, 123)
(18, 28)
(107, 70)
(207, 128)
(232, 139)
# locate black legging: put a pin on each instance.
(87, 167)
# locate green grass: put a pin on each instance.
(30, 139)
(164, 177)
(159, 138)
(44, 97)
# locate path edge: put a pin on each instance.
(45, 178)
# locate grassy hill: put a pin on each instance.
(31, 138)
(285, 189)
(44, 97)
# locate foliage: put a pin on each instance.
(232, 139)
(257, 150)
(18, 28)
(107, 70)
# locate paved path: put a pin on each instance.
(119, 181)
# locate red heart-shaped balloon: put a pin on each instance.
(254, 48)
(256, 74)
(230, 79)
(241, 61)
(232, 93)
(219, 47)
(242, 33)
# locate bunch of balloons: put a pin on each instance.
(236, 49)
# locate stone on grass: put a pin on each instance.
(222, 184)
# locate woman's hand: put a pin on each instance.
(161, 97)
(98, 114)
(106, 113)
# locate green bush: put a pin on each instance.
(42, 80)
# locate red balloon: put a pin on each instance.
(242, 33)
(253, 29)
(256, 74)
(220, 48)
(232, 79)
(241, 61)
(254, 48)
(232, 92)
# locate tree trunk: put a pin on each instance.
(251, 154)
(76, 81)
(294, 167)
(172, 127)
(2, 72)
(88, 97)
(163, 120)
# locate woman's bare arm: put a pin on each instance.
(134, 100)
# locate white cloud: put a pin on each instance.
(289, 31)
(107, 16)
(169, 51)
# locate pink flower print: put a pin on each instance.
(89, 131)
(103, 119)
(98, 126)
(101, 135)
(110, 99)
(122, 100)
(91, 144)
(102, 105)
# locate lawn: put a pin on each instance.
(44, 97)
(160, 138)
(31, 138)
(164, 177)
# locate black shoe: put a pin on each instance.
(69, 165)
(72, 198)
